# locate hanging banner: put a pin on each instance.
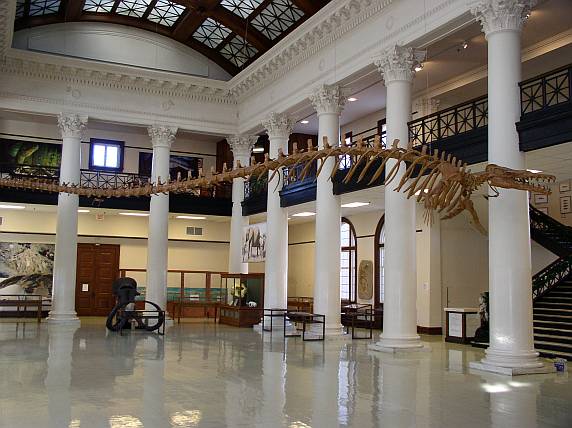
(254, 243)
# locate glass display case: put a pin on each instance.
(242, 299)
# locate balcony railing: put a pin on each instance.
(456, 120)
(295, 179)
(546, 91)
(255, 188)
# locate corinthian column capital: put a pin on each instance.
(398, 62)
(328, 99)
(501, 15)
(278, 125)
(241, 146)
(72, 125)
(161, 135)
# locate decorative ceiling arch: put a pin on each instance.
(232, 33)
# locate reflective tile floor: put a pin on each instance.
(206, 375)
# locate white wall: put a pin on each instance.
(118, 44)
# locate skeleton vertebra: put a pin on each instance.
(442, 183)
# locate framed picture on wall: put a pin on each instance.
(543, 210)
(564, 186)
(565, 204)
(540, 198)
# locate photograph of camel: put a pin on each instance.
(254, 243)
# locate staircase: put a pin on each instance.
(552, 288)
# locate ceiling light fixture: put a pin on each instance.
(355, 204)
(352, 99)
(304, 214)
(258, 150)
(465, 44)
(534, 171)
(82, 211)
(418, 67)
(12, 207)
(135, 214)
(191, 217)
(304, 122)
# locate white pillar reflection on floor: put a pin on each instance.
(241, 146)
(71, 127)
(328, 101)
(511, 348)
(400, 284)
(279, 127)
(399, 386)
(59, 376)
(273, 390)
(154, 412)
(158, 242)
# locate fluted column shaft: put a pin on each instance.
(400, 292)
(158, 242)
(241, 147)
(328, 101)
(64, 282)
(511, 335)
(279, 127)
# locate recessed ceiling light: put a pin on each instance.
(304, 214)
(12, 207)
(191, 217)
(258, 150)
(82, 211)
(352, 99)
(418, 67)
(355, 204)
(465, 44)
(305, 122)
(419, 192)
(135, 214)
(534, 171)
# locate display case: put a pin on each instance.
(242, 299)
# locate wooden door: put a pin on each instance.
(97, 268)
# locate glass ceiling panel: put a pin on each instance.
(133, 7)
(238, 51)
(243, 8)
(98, 5)
(20, 8)
(44, 7)
(276, 18)
(166, 13)
(211, 33)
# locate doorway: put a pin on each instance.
(97, 268)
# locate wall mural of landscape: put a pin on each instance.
(30, 153)
(187, 166)
(26, 268)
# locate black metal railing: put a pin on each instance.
(254, 187)
(546, 91)
(36, 172)
(456, 120)
(295, 178)
(550, 276)
(108, 180)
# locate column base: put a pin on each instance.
(511, 371)
(511, 364)
(63, 318)
(398, 345)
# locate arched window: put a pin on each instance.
(379, 253)
(348, 261)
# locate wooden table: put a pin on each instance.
(22, 301)
(188, 302)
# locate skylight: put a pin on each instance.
(98, 6)
(276, 18)
(44, 7)
(242, 8)
(133, 7)
(238, 51)
(211, 33)
(165, 13)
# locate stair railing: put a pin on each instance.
(542, 224)
(551, 275)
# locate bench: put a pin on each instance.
(23, 301)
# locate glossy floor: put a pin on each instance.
(202, 375)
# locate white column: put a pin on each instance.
(511, 348)
(241, 146)
(400, 294)
(328, 100)
(279, 127)
(158, 242)
(63, 290)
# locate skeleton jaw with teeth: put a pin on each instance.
(506, 178)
